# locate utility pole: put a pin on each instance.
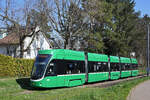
(148, 68)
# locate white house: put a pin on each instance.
(9, 45)
(3, 33)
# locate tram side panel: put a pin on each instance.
(68, 73)
(125, 67)
(98, 71)
(134, 64)
(114, 67)
(97, 67)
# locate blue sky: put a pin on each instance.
(143, 6)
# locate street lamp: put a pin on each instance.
(148, 68)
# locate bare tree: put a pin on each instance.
(66, 18)
(21, 25)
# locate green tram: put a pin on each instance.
(134, 65)
(67, 68)
(125, 67)
(114, 67)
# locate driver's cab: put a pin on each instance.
(40, 65)
(51, 69)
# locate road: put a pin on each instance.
(140, 92)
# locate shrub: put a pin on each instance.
(10, 66)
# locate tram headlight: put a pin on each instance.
(40, 84)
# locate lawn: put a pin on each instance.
(19, 89)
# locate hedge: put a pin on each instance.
(13, 67)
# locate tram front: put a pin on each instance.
(39, 69)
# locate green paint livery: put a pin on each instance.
(133, 61)
(97, 57)
(64, 54)
(135, 72)
(74, 55)
(95, 77)
(70, 80)
(114, 75)
(125, 74)
(125, 60)
(60, 81)
(44, 51)
(114, 59)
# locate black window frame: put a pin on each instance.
(126, 66)
(97, 67)
(114, 66)
(134, 66)
(62, 67)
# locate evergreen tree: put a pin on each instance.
(100, 26)
(124, 18)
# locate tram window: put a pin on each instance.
(98, 66)
(75, 67)
(71, 68)
(81, 66)
(105, 66)
(127, 67)
(62, 67)
(123, 66)
(118, 66)
(91, 66)
(134, 66)
(115, 66)
(51, 69)
(130, 66)
(112, 66)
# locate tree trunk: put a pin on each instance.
(66, 42)
(21, 49)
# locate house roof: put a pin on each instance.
(12, 38)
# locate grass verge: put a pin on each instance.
(19, 89)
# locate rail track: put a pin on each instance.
(108, 83)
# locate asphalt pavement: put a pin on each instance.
(140, 92)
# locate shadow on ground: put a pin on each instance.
(25, 84)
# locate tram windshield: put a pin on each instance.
(40, 66)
